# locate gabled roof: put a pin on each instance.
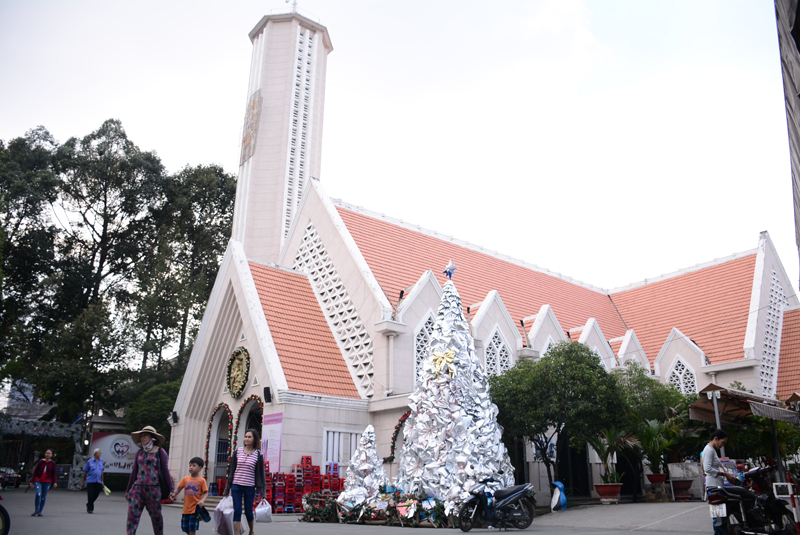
(709, 305)
(789, 358)
(309, 355)
(398, 256)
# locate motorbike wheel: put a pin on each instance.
(465, 519)
(529, 510)
(734, 525)
(5, 521)
(789, 527)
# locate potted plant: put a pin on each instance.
(607, 444)
(655, 444)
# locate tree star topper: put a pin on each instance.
(451, 267)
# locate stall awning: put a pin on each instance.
(775, 413)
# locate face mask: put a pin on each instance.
(149, 446)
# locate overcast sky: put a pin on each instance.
(608, 140)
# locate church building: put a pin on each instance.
(321, 311)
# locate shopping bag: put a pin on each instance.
(264, 512)
(107, 490)
(223, 518)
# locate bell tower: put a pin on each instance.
(282, 133)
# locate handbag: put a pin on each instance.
(264, 512)
(223, 518)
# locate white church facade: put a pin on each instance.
(328, 306)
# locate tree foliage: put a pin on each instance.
(107, 262)
(567, 392)
(153, 408)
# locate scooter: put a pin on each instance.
(744, 511)
(511, 505)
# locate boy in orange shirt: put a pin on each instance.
(194, 499)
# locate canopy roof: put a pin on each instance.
(734, 404)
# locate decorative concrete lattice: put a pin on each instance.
(498, 357)
(297, 170)
(682, 378)
(313, 259)
(772, 337)
(421, 343)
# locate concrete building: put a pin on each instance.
(322, 311)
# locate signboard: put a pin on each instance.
(271, 440)
(118, 451)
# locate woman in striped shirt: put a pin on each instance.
(245, 475)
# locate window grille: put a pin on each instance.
(340, 446)
(421, 345)
(498, 357)
(312, 258)
(682, 378)
(772, 337)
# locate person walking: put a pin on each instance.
(44, 476)
(92, 478)
(149, 480)
(245, 475)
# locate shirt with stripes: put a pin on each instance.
(245, 474)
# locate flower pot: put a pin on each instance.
(609, 492)
(681, 488)
(657, 479)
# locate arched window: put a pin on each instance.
(498, 357)
(421, 343)
(682, 378)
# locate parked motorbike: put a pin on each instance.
(744, 511)
(511, 505)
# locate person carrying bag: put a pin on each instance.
(245, 475)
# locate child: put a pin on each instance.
(195, 498)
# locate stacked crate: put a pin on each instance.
(268, 485)
(290, 495)
(332, 473)
(280, 494)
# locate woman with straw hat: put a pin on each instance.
(149, 480)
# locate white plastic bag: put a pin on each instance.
(264, 512)
(223, 518)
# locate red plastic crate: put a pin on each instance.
(305, 460)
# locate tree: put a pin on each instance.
(199, 206)
(568, 393)
(644, 398)
(153, 408)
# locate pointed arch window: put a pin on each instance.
(422, 341)
(498, 356)
(682, 378)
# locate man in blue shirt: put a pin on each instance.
(93, 478)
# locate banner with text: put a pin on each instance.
(118, 451)
(271, 440)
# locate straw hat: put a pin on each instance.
(136, 436)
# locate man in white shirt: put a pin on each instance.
(712, 468)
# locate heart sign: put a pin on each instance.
(121, 449)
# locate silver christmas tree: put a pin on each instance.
(365, 474)
(452, 439)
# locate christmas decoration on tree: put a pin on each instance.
(452, 439)
(365, 474)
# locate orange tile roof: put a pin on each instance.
(789, 360)
(398, 256)
(710, 306)
(615, 346)
(309, 355)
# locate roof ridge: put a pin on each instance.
(684, 271)
(276, 266)
(467, 245)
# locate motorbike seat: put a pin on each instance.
(738, 493)
(504, 493)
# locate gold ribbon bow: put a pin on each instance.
(440, 360)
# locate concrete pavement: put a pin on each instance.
(65, 513)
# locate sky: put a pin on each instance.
(608, 140)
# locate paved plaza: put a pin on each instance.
(65, 514)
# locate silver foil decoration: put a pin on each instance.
(452, 439)
(365, 473)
